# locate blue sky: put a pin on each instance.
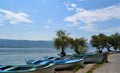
(40, 19)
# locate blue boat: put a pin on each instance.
(46, 68)
(68, 63)
(59, 63)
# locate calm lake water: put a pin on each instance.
(17, 56)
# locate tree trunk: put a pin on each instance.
(63, 53)
(105, 57)
(77, 52)
(101, 50)
(108, 49)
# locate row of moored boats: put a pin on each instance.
(50, 64)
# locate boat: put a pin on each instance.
(68, 63)
(46, 68)
(90, 58)
(59, 63)
(33, 62)
(94, 58)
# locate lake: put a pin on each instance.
(17, 56)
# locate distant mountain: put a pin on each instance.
(25, 43)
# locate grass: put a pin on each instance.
(94, 67)
(89, 71)
(100, 63)
(77, 68)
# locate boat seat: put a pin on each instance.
(44, 62)
(36, 61)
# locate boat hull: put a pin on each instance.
(45, 70)
(94, 59)
(61, 63)
(69, 65)
(33, 69)
(89, 58)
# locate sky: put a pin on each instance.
(40, 19)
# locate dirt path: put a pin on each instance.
(112, 67)
(65, 71)
(84, 70)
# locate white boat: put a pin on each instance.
(91, 58)
(47, 68)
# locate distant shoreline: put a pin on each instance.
(22, 47)
(4, 43)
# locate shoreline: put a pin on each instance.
(81, 70)
(109, 67)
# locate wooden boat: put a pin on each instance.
(90, 58)
(60, 63)
(46, 68)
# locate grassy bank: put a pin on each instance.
(94, 67)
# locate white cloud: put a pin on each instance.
(69, 6)
(48, 24)
(73, 5)
(23, 14)
(116, 29)
(14, 18)
(90, 17)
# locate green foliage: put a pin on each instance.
(77, 68)
(99, 63)
(102, 41)
(89, 71)
(98, 41)
(78, 44)
(116, 41)
(60, 42)
(108, 42)
(63, 40)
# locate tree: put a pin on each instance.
(61, 42)
(108, 42)
(98, 41)
(78, 44)
(116, 41)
